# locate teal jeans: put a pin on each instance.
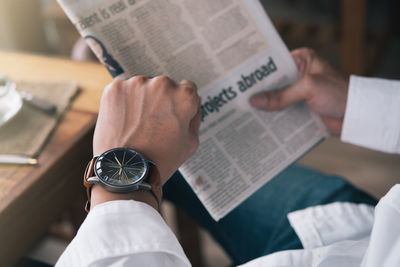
(259, 226)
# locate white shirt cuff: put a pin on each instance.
(324, 225)
(125, 231)
(372, 117)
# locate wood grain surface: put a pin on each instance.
(32, 197)
(91, 77)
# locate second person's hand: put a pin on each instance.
(320, 86)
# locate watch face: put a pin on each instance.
(121, 167)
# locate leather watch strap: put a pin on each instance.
(156, 187)
(89, 172)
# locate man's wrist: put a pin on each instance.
(100, 195)
(148, 189)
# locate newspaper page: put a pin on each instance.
(231, 50)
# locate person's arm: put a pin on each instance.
(365, 111)
(161, 120)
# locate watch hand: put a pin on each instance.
(123, 158)
(129, 160)
(133, 169)
(112, 177)
(126, 176)
(109, 160)
(112, 165)
(115, 157)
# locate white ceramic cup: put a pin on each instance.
(10, 100)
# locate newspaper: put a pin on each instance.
(231, 50)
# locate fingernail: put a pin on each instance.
(188, 83)
(259, 100)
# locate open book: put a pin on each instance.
(231, 50)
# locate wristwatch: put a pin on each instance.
(122, 170)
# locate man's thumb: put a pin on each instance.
(276, 100)
(260, 100)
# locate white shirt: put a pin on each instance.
(130, 233)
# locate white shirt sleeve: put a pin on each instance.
(124, 233)
(372, 117)
(384, 244)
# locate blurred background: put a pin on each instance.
(357, 36)
(345, 32)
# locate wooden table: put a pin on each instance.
(31, 198)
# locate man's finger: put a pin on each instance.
(196, 121)
(188, 83)
(278, 99)
(189, 100)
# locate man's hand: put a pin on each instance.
(156, 117)
(320, 86)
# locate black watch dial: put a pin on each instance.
(121, 167)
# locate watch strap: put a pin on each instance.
(155, 181)
(89, 172)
